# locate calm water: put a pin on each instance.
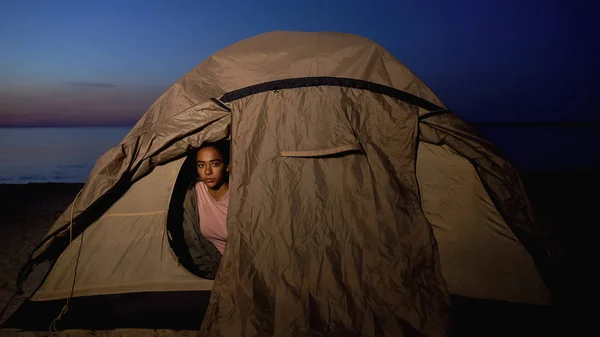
(53, 154)
(68, 154)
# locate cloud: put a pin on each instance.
(75, 105)
(90, 85)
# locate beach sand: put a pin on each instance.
(27, 211)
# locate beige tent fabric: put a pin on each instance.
(134, 158)
(126, 250)
(327, 229)
(501, 181)
(479, 254)
(333, 245)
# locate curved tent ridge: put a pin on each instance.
(329, 81)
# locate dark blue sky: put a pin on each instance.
(105, 62)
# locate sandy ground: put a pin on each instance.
(27, 211)
(26, 214)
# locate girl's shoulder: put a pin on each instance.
(196, 183)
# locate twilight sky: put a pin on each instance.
(73, 62)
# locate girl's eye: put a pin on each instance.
(216, 164)
(200, 165)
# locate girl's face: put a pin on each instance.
(211, 167)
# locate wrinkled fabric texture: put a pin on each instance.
(503, 184)
(331, 245)
(205, 255)
(479, 254)
(136, 157)
(126, 249)
(327, 234)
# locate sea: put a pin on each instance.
(53, 154)
(67, 154)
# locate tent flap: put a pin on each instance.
(501, 182)
(328, 244)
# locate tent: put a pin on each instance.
(358, 205)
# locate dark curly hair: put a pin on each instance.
(223, 146)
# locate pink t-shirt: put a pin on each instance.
(213, 216)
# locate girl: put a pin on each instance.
(212, 192)
(205, 208)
